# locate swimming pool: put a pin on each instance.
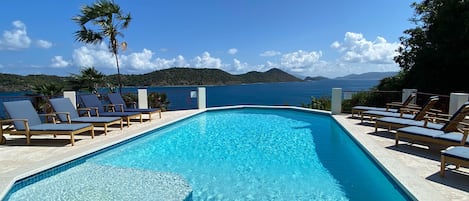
(240, 154)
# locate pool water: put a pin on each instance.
(237, 154)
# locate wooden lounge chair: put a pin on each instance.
(404, 112)
(119, 104)
(403, 118)
(457, 155)
(452, 133)
(390, 107)
(25, 121)
(92, 102)
(65, 111)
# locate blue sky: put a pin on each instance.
(301, 37)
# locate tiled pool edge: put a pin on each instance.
(404, 176)
(8, 181)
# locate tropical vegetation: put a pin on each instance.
(108, 19)
(434, 56)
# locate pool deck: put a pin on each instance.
(416, 167)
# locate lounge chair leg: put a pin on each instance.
(442, 166)
(28, 139)
(92, 132)
(3, 140)
(105, 129)
(72, 139)
(397, 140)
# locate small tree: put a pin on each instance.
(89, 79)
(109, 19)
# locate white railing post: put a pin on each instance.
(456, 100)
(142, 99)
(201, 98)
(406, 93)
(72, 95)
(336, 102)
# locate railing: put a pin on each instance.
(380, 98)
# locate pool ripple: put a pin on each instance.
(108, 183)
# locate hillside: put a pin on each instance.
(166, 77)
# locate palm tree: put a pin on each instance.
(88, 78)
(108, 18)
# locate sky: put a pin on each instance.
(301, 37)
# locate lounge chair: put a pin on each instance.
(390, 107)
(65, 111)
(420, 120)
(454, 132)
(25, 121)
(404, 112)
(92, 102)
(119, 104)
(457, 155)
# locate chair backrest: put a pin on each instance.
(90, 101)
(22, 110)
(458, 116)
(116, 98)
(409, 99)
(429, 105)
(64, 105)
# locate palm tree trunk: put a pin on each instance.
(118, 75)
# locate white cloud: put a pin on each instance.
(239, 67)
(44, 44)
(357, 49)
(232, 51)
(206, 61)
(300, 59)
(59, 62)
(270, 53)
(94, 55)
(15, 39)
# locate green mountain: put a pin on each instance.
(166, 77)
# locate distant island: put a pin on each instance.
(368, 76)
(308, 78)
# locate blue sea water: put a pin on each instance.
(239, 154)
(285, 93)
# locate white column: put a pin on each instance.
(72, 96)
(336, 102)
(406, 93)
(456, 100)
(142, 99)
(201, 98)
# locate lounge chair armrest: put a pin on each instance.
(110, 107)
(86, 110)
(436, 119)
(67, 114)
(413, 106)
(393, 105)
(406, 110)
(49, 115)
(95, 109)
(10, 122)
(119, 106)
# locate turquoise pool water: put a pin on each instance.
(236, 154)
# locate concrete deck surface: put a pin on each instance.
(416, 167)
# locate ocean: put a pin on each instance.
(285, 93)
